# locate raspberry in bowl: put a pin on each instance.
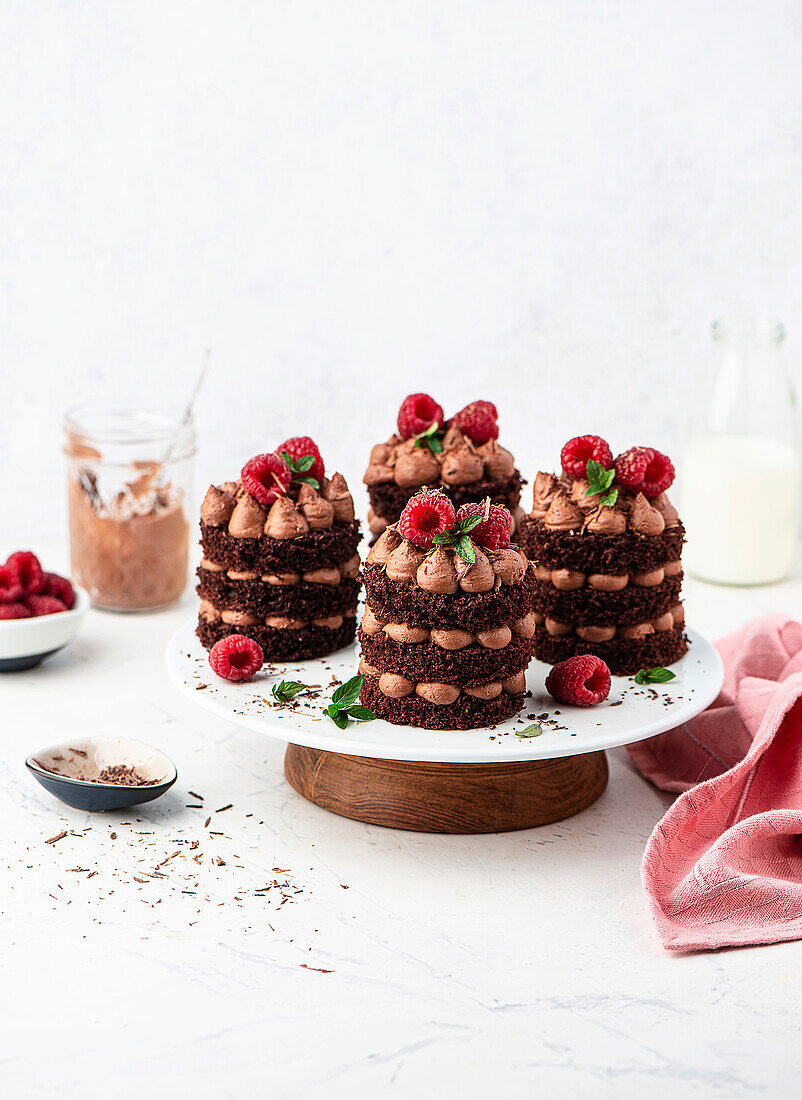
(40, 612)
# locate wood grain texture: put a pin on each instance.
(447, 798)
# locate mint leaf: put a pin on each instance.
(534, 730)
(609, 499)
(338, 717)
(348, 693)
(599, 479)
(654, 676)
(287, 690)
(467, 523)
(313, 481)
(430, 438)
(463, 548)
(360, 713)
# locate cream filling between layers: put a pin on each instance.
(498, 637)
(211, 614)
(332, 575)
(568, 580)
(660, 625)
(398, 687)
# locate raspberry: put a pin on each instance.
(477, 421)
(266, 478)
(582, 681)
(10, 585)
(494, 531)
(44, 605)
(236, 658)
(28, 570)
(630, 468)
(659, 475)
(426, 515)
(14, 611)
(417, 413)
(299, 447)
(577, 452)
(60, 587)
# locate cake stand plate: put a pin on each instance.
(451, 781)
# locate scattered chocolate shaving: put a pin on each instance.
(54, 839)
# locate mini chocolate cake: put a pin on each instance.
(445, 640)
(283, 571)
(462, 457)
(607, 565)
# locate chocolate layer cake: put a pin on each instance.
(447, 457)
(608, 575)
(286, 573)
(445, 643)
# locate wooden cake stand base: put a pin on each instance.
(447, 798)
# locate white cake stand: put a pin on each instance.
(486, 780)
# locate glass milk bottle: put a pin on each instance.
(740, 470)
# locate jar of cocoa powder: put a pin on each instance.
(129, 483)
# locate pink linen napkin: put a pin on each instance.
(724, 866)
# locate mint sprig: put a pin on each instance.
(534, 730)
(600, 483)
(654, 676)
(431, 438)
(456, 538)
(344, 706)
(287, 690)
(298, 468)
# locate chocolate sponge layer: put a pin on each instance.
(587, 606)
(623, 656)
(591, 553)
(284, 645)
(314, 550)
(465, 714)
(427, 662)
(295, 601)
(407, 603)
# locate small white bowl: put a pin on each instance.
(59, 768)
(26, 642)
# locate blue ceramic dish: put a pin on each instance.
(61, 768)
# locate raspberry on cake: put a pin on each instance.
(447, 632)
(285, 573)
(606, 546)
(461, 456)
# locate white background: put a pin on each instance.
(542, 203)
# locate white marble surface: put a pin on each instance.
(472, 966)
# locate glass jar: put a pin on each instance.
(740, 470)
(130, 476)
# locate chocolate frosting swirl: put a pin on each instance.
(562, 515)
(644, 519)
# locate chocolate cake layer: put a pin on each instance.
(295, 601)
(314, 550)
(596, 553)
(284, 644)
(426, 661)
(464, 714)
(388, 499)
(623, 656)
(407, 603)
(588, 606)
